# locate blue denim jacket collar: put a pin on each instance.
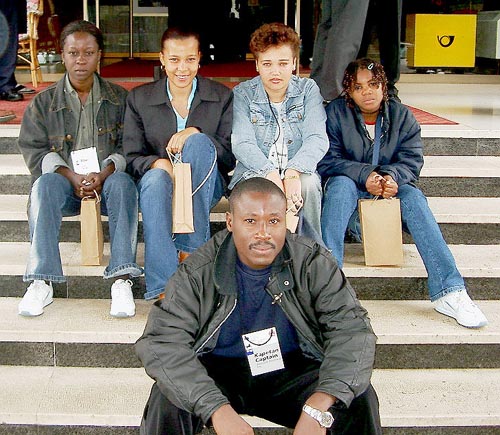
(260, 96)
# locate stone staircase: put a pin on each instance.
(73, 370)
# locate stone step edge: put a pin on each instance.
(435, 166)
(445, 209)
(88, 321)
(472, 260)
(116, 397)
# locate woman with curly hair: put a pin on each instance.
(279, 123)
(362, 123)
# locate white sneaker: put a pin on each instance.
(122, 300)
(460, 306)
(38, 296)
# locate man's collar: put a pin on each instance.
(225, 269)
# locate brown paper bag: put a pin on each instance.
(381, 231)
(182, 202)
(92, 241)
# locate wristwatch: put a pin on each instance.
(324, 418)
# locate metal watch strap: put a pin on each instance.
(324, 418)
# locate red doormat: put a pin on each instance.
(423, 117)
(426, 118)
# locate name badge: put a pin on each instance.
(85, 161)
(263, 351)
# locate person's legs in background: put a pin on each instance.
(337, 43)
(385, 17)
(9, 12)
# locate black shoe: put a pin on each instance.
(11, 95)
(23, 90)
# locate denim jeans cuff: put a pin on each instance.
(455, 288)
(153, 294)
(40, 276)
(184, 248)
(131, 269)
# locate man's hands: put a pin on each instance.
(383, 186)
(227, 421)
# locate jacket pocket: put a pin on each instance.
(57, 143)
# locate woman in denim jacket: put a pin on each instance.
(279, 123)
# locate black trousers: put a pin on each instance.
(277, 397)
(385, 17)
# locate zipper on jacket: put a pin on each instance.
(277, 300)
(217, 328)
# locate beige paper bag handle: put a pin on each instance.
(97, 197)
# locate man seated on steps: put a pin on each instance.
(80, 113)
(360, 122)
(262, 322)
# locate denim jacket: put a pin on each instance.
(47, 128)
(255, 128)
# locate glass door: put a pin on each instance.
(131, 28)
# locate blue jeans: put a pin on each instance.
(155, 198)
(340, 202)
(311, 192)
(52, 198)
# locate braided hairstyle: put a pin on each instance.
(351, 74)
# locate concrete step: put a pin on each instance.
(80, 333)
(56, 400)
(479, 264)
(462, 220)
(468, 176)
(433, 146)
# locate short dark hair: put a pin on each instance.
(351, 74)
(255, 184)
(84, 27)
(272, 35)
(179, 32)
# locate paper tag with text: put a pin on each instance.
(263, 351)
(85, 161)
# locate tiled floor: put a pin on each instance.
(472, 101)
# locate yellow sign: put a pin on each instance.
(441, 40)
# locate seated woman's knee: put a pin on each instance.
(197, 147)
(310, 183)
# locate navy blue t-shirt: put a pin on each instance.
(254, 311)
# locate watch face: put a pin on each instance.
(326, 419)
